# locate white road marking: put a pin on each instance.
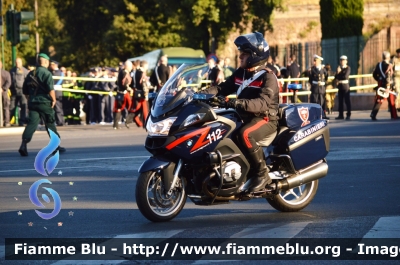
(105, 158)
(2, 251)
(385, 227)
(364, 153)
(22, 170)
(112, 243)
(283, 233)
(81, 159)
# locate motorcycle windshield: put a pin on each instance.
(179, 88)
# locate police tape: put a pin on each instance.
(102, 79)
(60, 88)
(300, 93)
(334, 90)
(329, 78)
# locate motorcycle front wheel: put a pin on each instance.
(154, 202)
(294, 199)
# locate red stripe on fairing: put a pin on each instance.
(203, 131)
(251, 129)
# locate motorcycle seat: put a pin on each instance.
(267, 140)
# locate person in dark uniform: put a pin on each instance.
(383, 73)
(122, 99)
(39, 90)
(67, 97)
(270, 65)
(5, 84)
(160, 74)
(18, 75)
(257, 102)
(88, 97)
(342, 77)
(59, 96)
(213, 72)
(293, 68)
(76, 100)
(135, 112)
(318, 77)
(105, 115)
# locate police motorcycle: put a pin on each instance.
(194, 156)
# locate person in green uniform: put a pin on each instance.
(39, 90)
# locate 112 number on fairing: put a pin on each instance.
(215, 135)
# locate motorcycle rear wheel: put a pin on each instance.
(294, 199)
(152, 200)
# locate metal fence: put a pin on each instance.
(363, 54)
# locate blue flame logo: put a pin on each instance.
(35, 200)
(47, 158)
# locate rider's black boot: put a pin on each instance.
(261, 178)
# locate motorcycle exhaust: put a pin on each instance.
(305, 176)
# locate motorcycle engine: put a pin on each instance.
(232, 171)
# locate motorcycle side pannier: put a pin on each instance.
(295, 116)
(306, 138)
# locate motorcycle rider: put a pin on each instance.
(257, 102)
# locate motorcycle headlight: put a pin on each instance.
(160, 128)
(193, 118)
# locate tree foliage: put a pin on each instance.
(341, 18)
(86, 33)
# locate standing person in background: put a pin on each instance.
(227, 69)
(342, 77)
(114, 87)
(105, 115)
(59, 96)
(270, 65)
(5, 85)
(396, 70)
(220, 75)
(382, 74)
(135, 112)
(293, 68)
(277, 67)
(76, 99)
(67, 97)
(317, 79)
(123, 99)
(18, 75)
(39, 89)
(87, 101)
(160, 74)
(94, 111)
(329, 97)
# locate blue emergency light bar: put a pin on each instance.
(295, 86)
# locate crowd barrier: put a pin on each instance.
(299, 93)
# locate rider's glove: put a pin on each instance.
(218, 101)
(234, 104)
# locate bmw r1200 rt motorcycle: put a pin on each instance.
(194, 156)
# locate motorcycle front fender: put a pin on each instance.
(158, 163)
(153, 163)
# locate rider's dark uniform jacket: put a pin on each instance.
(260, 98)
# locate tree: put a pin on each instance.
(215, 19)
(138, 28)
(341, 18)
